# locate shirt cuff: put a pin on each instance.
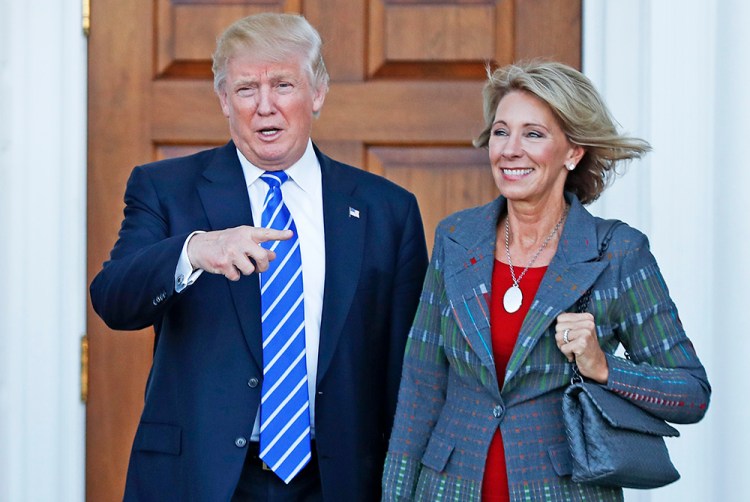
(185, 274)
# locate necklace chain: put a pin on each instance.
(536, 255)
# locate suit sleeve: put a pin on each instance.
(136, 284)
(407, 284)
(423, 384)
(663, 375)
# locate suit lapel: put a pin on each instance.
(223, 193)
(469, 261)
(573, 270)
(345, 221)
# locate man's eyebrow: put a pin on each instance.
(244, 81)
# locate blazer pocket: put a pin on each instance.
(559, 455)
(437, 453)
(159, 438)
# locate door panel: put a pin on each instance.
(444, 179)
(405, 102)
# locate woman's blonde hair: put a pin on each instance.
(581, 113)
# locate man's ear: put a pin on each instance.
(223, 101)
(319, 98)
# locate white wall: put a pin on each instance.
(42, 249)
(673, 71)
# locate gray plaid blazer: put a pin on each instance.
(449, 403)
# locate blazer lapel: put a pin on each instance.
(469, 261)
(345, 222)
(223, 193)
(573, 270)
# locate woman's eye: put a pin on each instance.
(499, 132)
(535, 134)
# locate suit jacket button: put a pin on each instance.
(252, 383)
(497, 411)
(240, 442)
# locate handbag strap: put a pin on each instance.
(583, 301)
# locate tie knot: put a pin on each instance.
(274, 178)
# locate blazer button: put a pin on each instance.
(240, 442)
(252, 383)
(497, 411)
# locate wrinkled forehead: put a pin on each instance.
(251, 66)
(293, 60)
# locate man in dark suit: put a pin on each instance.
(190, 260)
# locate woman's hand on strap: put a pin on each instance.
(576, 338)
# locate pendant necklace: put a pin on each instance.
(513, 297)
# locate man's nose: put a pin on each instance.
(265, 101)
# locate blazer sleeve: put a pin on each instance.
(136, 284)
(422, 392)
(664, 374)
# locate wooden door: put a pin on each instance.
(404, 102)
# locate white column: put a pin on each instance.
(655, 62)
(615, 57)
(42, 250)
(730, 245)
(683, 87)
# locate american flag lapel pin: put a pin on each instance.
(353, 213)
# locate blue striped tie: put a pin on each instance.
(284, 410)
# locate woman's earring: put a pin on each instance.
(570, 166)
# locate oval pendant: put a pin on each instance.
(512, 299)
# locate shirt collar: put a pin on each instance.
(301, 172)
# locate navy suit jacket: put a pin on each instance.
(204, 386)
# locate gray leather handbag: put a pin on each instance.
(614, 442)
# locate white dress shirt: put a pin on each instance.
(303, 196)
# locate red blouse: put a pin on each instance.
(505, 328)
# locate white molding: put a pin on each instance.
(42, 263)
